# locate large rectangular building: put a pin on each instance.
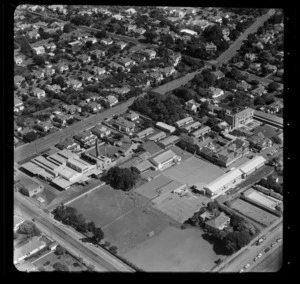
(191, 126)
(270, 119)
(223, 183)
(169, 141)
(252, 165)
(158, 136)
(201, 131)
(184, 121)
(165, 159)
(165, 127)
(78, 165)
(145, 132)
(240, 118)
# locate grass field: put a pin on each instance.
(194, 170)
(126, 218)
(174, 250)
(253, 212)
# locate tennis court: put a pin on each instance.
(263, 199)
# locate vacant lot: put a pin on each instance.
(253, 212)
(126, 218)
(194, 170)
(48, 261)
(174, 250)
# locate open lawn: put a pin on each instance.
(174, 250)
(126, 218)
(253, 212)
(194, 170)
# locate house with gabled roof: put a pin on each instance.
(18, 80)
(75, 84)
(112, 100)
(219, 222)
(107, 41)
(39, 93)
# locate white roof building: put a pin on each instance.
(165, 127)
(220, 183)
(164, 159)
(252, 164)
(190, 32)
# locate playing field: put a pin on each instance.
(174, 250)
(253, 212)
(126, 218)
(194, 170)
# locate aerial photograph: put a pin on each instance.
(148, 139)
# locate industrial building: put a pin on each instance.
(184, 121)
(145, 132)
(252, 165)
(223, 183)
(158, 136)
(165, 159)
(169, 141)
(165, 127)
(267, 118)
(78, 165)
(201, 131)
(143, 167)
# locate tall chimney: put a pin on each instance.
(97, 150)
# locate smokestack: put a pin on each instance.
(97, 150)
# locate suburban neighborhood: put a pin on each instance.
(148, 138)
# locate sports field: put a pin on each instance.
(253, 212)
(174, 250)
(126, 218)
(194, 170)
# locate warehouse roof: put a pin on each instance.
(184, 121)
(45, 163)
(251, 164)
(165, 126)
(67, 154)
(31, 167)
(78, 162)
(200, 131)
(162, 158)
(143, 166)
(169, 140)
(145, 132)
(223, 180)
(61, 182)
(158, 135)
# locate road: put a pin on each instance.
(247, 254)
(231, 51)
(40, 144)
(69, 238)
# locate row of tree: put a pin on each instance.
(270, 183)
(69, 216)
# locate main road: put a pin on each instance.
(101, 259)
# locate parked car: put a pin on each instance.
(267, 249)
(242, 270)
(259, 255)
(278, 240)
(247, 266)
(272, 245)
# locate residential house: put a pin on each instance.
(175, 58)
(34, 34)
(56, 7)
(266, 38)
(71, 109)
(243, 85)
(107, 41)
(51, 31)
(18, 105)
(140, 31)
(150, 53)
(259, 141)
(69, 144)
(99, 71)
(59, 25)
(156, 76)
(84, 58)
(210, 47)
(216, 19)
(44, 126)
(255, 67)
(112, 100)
(121, 44)
(86, 76)
(50, 46)
(97, 53)
(191, 105)
(75, 84)
(93, 40)
(219, 222)
(62, 118)
(54, 88)
(250, 56)
(39, 93)
(118, 17)
(115, 65)
(18, 60)
(168, 71)
(259, 91)
(75, 43)
(259, 45)
(94, 106)
(100, 131)
(61, 67)
(132, 116)
(218, 74)
(35, 8)
(271, 68)
(49, 71)
(215, 92)
(124, 125)
(126, 62)
(38, 50)
(39, 74)
(18, 80)
(131, 27)
(139, 56)
(130, 11)
(122, 91)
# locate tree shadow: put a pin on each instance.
(218, 245)
(87, 240)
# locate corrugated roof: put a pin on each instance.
(268, 116)
(163, 157)
(251, 164)
(223, 180)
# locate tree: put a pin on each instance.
(113, 249)
(259, 101)
(38, 60)
(98, 235)
(31, 136)
(277, 140)
(273, 86)
(59, 250)
(58, 266)
(212, 205)
(28, 228)
(101, 34)
(67, 28)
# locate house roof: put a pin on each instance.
(219, 221)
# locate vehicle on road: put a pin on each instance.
(256, 258)
(247, 266)
(278, 240)
(242, 270)
(259, 255)
(260, 241)
(267, 249)
(272, 245)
